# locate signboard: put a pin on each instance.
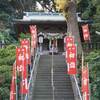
(69, 41)
(71, 59)
(86, 33)
(26, 43)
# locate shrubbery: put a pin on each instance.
(94, 72)
(7, 58)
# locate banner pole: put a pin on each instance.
(82, 69)
(88, 82)
(52, 77)
(82, 60)
(16, 88)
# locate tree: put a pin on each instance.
(68, 7)
(21, 5)
(90, 10)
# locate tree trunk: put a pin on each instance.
(72, 25)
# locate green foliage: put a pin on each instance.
(5, 74)
(24, 36)
(90, 10)
(92, 56)
(95, 80)
(85, 15)
(94, 70)
(7, 58)
(4, 93)
(7, 55)
(6, 37)
(4, 16)
(8, 52)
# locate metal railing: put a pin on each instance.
(76, 88)
(32, 77)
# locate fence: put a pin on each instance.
(32, 76)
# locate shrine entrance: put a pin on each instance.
(60, 43)
(45, 45)
(56, 44)
(52, 26)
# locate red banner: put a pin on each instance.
(69, 41)
(13, 84)
(24, 84)
(85, 83)
(86, 33)
(84, 79)
(72, 59)
(26, 43)
(34, 36)
(33, 31)
(86, 96)
(19, 59)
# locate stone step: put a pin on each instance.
(43, 96)
(54, 67)
(57, 97)
(57, 86)
(44, 92)
(61, 98)
(55, 73)
(43, 89)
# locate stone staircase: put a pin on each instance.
(52, 83)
